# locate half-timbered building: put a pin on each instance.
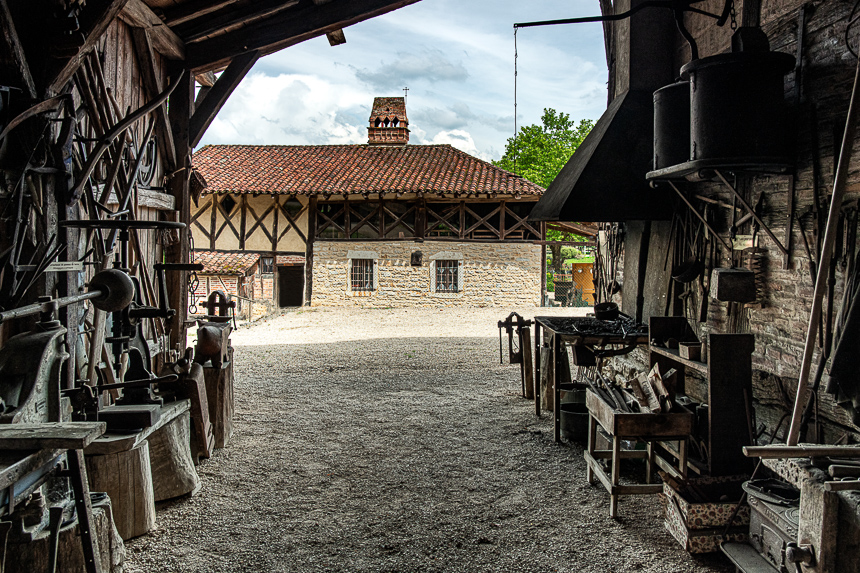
(379, 224)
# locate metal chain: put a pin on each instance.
(734, 24)
(193, 280)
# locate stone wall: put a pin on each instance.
(493, 274)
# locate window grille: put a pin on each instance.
(362, 275)
(267, 265)
(447, 279)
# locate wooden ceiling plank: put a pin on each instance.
(285, 29)
(14, 50)
(218, 94)
(192, 10)
(164, 40)
(143, 47)
(232, 17)
(95, 18)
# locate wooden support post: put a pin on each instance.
(527, 364)
(539, 367)
(557, 349)
(309, 249)
(542, 264)
(177, 282)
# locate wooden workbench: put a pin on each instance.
(644, 426)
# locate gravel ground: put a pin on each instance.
(392, 440)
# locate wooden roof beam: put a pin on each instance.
(94, 18)
(164, 40)
(218, 94)
(14, 52)
(230, 18)
(285, 29)
(144, 49)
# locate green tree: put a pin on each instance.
(538, 152)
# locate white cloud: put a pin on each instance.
(457, 59)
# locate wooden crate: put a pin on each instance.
(700, 527)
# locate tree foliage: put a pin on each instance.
(538, 152)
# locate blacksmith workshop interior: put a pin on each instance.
(720, 186)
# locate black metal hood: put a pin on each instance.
(605, 178)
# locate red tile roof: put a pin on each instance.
(343, 169)
(224, 263)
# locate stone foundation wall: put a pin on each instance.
(493, 274)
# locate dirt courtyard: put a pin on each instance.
(393, 441)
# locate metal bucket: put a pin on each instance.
(574, 421)
(672, 125)
(737, 107)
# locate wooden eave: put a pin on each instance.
(212, 32)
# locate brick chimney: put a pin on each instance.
(388, 122)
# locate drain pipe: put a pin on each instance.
(824, 262)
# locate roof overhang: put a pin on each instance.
(604, 180)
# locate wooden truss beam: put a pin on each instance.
(218, 94)
(231, 18)
(286, 28)
(95, 18)
(138, 15)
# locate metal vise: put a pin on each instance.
(213, 333)
(30, 365)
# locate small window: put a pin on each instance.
(447, 276)
(361, 276)
(228, 204)
(267, 265)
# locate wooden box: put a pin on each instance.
(700, 527)
(640, 424)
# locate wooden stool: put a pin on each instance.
(122, 465)
(219, 392)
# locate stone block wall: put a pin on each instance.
(493, 274)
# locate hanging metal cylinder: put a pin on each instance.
(672, 125)
(737, 107)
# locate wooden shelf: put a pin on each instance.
(675, 355)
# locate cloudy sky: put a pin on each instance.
(456, 57)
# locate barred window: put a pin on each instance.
(447, 279)
(267, 265)
(361, 276)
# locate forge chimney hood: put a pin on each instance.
(604, 180)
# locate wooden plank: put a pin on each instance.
(206, 80)
(138, 15)
(218, 94)
(53, 435)
(110, 443)
(284, 29)
(801, 451)
(15, 52)
(152, 82)
(149, 199)
(95, 18)
(187, 11)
